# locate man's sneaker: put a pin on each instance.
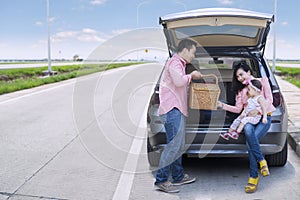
(186, 179)
(167, 187)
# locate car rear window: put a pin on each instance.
(239, 30)
(223, 66)
(217, 62)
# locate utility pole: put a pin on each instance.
(49, 40)
(274, 39)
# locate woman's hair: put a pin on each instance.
(186, 43)
(237, 86)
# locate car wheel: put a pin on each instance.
(278, 159)
(153, 155)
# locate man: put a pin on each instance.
(173, 110)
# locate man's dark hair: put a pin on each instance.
(256, 83)
(186, 43)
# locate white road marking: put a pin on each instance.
(123, 189)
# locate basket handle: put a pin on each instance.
(211, 75)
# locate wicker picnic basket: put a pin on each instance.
(205, 95)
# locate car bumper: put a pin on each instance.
(211, 145)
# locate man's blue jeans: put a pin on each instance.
(253, 134)
(171, 157)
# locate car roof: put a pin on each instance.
(205, 12)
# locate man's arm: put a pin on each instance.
(179, 78)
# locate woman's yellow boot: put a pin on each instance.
(264, 170)
(252, 185)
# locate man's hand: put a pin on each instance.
(196, 75)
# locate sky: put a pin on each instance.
(78, 27)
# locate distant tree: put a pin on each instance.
(76, 58)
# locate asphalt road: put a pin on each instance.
(85, 139)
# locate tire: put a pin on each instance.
(153, 155)
(278, 159)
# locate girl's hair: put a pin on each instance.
(256, 83)
(237, 86)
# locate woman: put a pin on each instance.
(241, 77)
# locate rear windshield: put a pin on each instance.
(244, 31)
(221, 66)
(217, 62)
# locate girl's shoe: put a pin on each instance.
(264, 170)
(225, 135)
(234, 135)
(252, 185)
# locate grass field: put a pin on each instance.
(291, 75)
(12, 80)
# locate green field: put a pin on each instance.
(291, 75)
(12, 80)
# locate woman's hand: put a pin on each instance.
(220, 104)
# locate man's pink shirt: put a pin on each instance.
(173, 86)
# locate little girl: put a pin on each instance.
(254, 102)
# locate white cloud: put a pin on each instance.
(88, 30)
(89, 38)
(38, 23)
(97, 2)
(284, 23)
(90, 35)
(226, 2)
(84, 35)
(64, 35)
(120, 31)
